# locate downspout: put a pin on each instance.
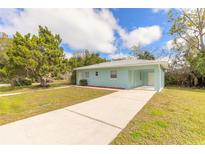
(160, 78)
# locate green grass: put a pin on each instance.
(174, 116)
(31, 103)
(34, 86)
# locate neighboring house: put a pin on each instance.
(129, 73)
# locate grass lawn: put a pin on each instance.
(174, 116)
(34, 86)
(31, 103)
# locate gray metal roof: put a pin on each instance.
(124, 63)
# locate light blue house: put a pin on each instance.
(129, 73)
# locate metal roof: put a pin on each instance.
(124, 63)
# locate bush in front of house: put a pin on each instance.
(83, 82)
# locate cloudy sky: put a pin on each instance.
(111, 32)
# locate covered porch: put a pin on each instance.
(142, 79)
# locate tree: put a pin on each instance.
(188, 27)
(37, 57)
(49, 55)
(20, 57)
(4, 45)
(142, 54)
(83, 58)
(146, 55)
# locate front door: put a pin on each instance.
(150, 79)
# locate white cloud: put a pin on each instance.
(169, 45)
(141, 36)
(80, 28)
(118, 55)
(91, 29)
(68, 55)
(157, 10)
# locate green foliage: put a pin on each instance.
(198, 63)
(21, 58)
(22, 82)
(83, 82)
(146, 55)
(73, 77)
(3, 74)
(170, 79)
(187, 28)
(4, 45)
(36, 57)
(138, 52)
(85, 58)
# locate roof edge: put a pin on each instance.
(164, 64)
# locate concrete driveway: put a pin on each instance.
(97, 121)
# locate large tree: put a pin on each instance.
(49, 55)
(38, 56)
(188, 28)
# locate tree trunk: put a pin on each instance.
(203, 82)
(43, 82)
(195, 81)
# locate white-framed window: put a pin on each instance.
(96, 73)
(113, 74)
(86, 74)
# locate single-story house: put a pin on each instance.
(128, 73)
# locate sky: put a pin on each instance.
(109, 32)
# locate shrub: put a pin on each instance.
(83, 82)
(22, 82)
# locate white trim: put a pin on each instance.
(160, 77)
(160, 89)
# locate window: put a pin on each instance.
(140, 75)
(113, 74)
(96, 73)
(86, 74)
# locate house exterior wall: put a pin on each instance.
(103, 78)
(127, 77)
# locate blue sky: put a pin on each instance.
(110, 32)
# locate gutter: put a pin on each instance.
(84, 68)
